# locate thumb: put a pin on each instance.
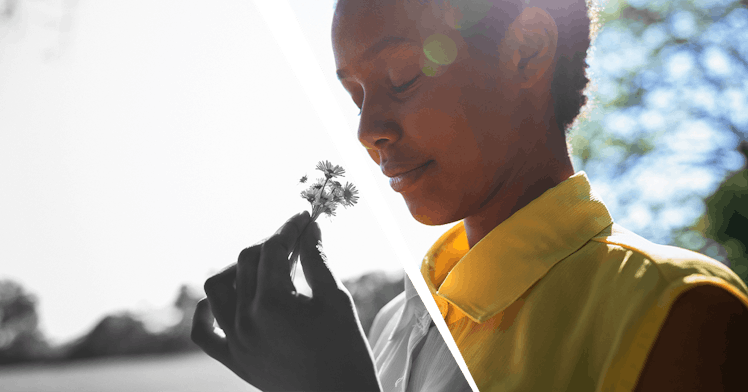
(313, 260)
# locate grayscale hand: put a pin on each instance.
(276, 339)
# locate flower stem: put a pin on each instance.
(295, 254)
(316, 212)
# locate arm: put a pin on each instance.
(703, 345)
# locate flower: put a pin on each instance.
(318, 185)
(337, 196)
(325, 195)
(329, 208)
(350, 195)
(309, 195)
(330, 170)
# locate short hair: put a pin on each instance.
(574, 19)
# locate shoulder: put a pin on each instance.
(384, 317)
(702, 344)
(672, 265)
(677, 313)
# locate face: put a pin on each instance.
(441, 123)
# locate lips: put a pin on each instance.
(404, 175)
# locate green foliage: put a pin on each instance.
(726, 220)
(669, 106)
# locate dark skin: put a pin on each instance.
(278, 340)
(483, 139)
(702, 345)
(487, 129)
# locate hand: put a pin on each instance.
(275, 338)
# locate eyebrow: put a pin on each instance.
(377, 48)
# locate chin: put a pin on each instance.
(430, 216)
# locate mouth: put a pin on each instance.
(403, 177)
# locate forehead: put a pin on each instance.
(363, 26)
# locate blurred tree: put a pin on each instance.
(20, 339)
(126, 333)
(8, 9)
(726, 219)
(670, 100)
(119, 334)
(187, 300)
(179, 334)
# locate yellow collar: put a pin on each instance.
(482, 281)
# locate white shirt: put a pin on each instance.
(409, 352)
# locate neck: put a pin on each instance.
(551, 167)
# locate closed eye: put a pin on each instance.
(357, 95)
(403, 87)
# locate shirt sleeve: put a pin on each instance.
(435, 369)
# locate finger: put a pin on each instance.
(314, 262)
(205, 337)
(222, 297)
(246, 279)
(274, 270)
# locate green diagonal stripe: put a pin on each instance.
(282, 23)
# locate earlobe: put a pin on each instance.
(530, 43)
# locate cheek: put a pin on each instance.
(449, 139)
(434, 129)
(374, 155)
(489, 117)
(436, 117)
(442, 130)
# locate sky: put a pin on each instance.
(144, 146)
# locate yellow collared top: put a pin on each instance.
(560, 298)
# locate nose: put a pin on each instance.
(378, 127)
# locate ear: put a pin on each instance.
(529, 46)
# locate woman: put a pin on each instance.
(464, 105)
